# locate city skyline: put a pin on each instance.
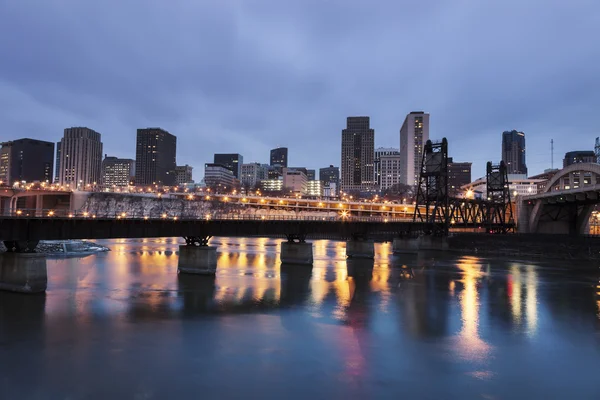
(211, 97)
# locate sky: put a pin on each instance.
(245, 76)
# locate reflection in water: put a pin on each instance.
(358, 328)
(470, 345)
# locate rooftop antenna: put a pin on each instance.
(552, 153)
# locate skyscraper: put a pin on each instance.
(233, 161)
(513, 152)
(26, 160)
(389, 168)
(155, 157)
(413, 136)
(358, 146)
(80, 158)
(279, 157)
(379, 152)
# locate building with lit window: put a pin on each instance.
(184, 174)
(513, 152)
(279, 157)
(80, 158)
(574, 157)
(379, 152)
(314, 188)
(295, 181)
(358, 147)
(217, 176)
(117, 172)
(253, 174)
(27, 160)
(414, 133)
(389, 171)
(459, 174)
(233, 161)
(155, 157)
(271, 185)
(518, 184)
(330, 176)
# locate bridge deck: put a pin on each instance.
(40, 228)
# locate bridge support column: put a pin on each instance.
(405, 245)
(197, 257)
(296, 251)
(360, 248)
(23, 272)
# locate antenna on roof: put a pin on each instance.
(552, 153)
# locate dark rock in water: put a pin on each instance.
(66, 247)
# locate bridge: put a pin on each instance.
(566, 203)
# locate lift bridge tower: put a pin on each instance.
(432, 200)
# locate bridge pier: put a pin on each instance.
(197, 257)
(360, 247)
(296, 251)
(23, 272)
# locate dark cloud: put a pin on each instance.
(245, 76)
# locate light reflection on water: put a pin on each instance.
(359, 328)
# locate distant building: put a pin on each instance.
(518, 184)
(597, 149)
(330, 175)
(358, 147)
(314, 188)
(27, 160)
(117, 172)
(573, 157)
(330, 189)
(218, 176)
(155, 157)
(57, 164)
(544, 178)
(310, 174)
(253, 173)
(279, 157)
(513, 152)
(271, 185)
(294, 180)
(379, 152)
(233, 161)
(414, 133)
(459, 174)
(389, 171)
(274, 172)
(184, 174)
(80, 158)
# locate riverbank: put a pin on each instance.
(66, 247)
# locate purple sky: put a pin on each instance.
(249, 75)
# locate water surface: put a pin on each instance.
(124, 325)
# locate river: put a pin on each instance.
(124, 325)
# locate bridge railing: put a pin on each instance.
(178, 216)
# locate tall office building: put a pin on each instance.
(513, 152)
(413, 136)
(358, 146)
(379, 152)
(57, 164)
(389, 168)
(232, 161)
(311, 174)
(27, 160)
(155, 157)
(459, 174)
(80, 158)
(279, 157)
(117, 171)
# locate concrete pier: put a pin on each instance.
(23, 272)
(197, 260)
(296, 253)
(360, 249)
(414, 245)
